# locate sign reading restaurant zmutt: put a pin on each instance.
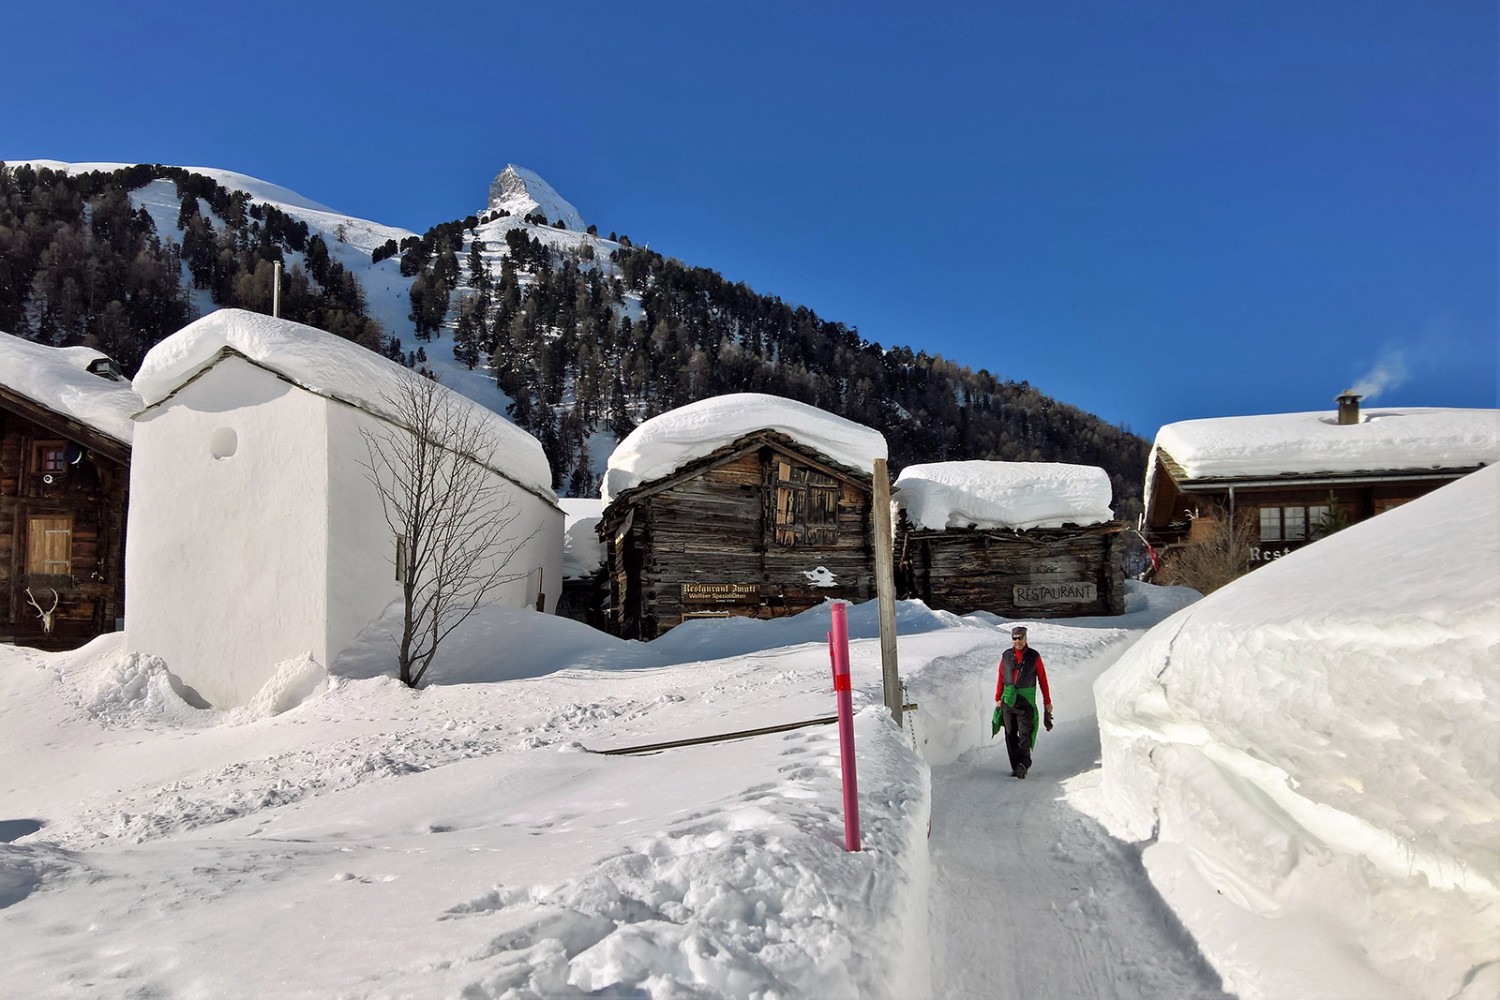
(721, 593)
(1032, 595)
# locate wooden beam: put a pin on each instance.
(723, 737)
(885, 587)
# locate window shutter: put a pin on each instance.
(49, 546)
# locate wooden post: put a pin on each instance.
(276, 293)
(885, 588)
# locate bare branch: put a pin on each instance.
(455, 518)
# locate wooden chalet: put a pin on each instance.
(64, 485)
(1318, 470)
(1071, 567)
(763, 527)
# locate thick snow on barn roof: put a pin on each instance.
(664, 444)
(583, 552)
(1405, 439)
(58, 379)
(1014, 495)
(329, 366)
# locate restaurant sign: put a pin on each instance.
(721, 593)
(1033, 595)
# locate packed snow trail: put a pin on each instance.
(1031, 898)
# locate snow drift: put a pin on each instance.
(1315, 744)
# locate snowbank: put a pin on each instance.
(458, 840)
(665, 443)
(1315, 744)
(1014, 495)
(58, 379)
(328, 366)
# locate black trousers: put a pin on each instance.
(1018, 720)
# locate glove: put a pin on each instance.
(1047, 720)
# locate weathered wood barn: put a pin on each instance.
(1016, 539)
(1293, 475)
(65, 433)
(745, 505)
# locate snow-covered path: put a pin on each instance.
(1030, 897)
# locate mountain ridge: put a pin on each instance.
(574, 336)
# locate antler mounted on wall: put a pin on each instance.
(46, 615)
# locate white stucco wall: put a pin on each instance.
(361, 546)
(228, 538)
(361, 577)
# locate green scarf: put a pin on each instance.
(1025, 696)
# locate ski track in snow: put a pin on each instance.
(1031, 898)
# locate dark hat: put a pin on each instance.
(1019, 632)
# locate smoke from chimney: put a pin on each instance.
(1389, 371)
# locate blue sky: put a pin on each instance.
(1152, 211)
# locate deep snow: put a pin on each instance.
(1311, 754)
(352, 838)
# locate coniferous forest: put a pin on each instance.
(585, 341)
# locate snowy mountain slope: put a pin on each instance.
(255, 187)
(351, 240)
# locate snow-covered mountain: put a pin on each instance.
(351, 241)
(576, 377)
(521, 193)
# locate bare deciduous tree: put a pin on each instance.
(1221, 557)
(452, 517)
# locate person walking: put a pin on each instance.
(1021, 671)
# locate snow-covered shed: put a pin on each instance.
(1018, 539)
(65, 435)
(1291, 474)
(257, 536)
(744, 504)
(583, 588)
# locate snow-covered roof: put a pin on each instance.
(329, 366)
(58, 379)
(1407, 439)
(666, 443)
(583, 552)
(1014, 495)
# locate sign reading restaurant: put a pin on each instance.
(1033, 595)
(721, 593)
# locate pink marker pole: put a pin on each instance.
(838, 646)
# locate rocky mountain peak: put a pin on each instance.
(521, 192)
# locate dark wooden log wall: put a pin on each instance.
(718, 527)
(968, 570)
(93, 495)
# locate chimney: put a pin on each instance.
(1349, 407)
(106, 368)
